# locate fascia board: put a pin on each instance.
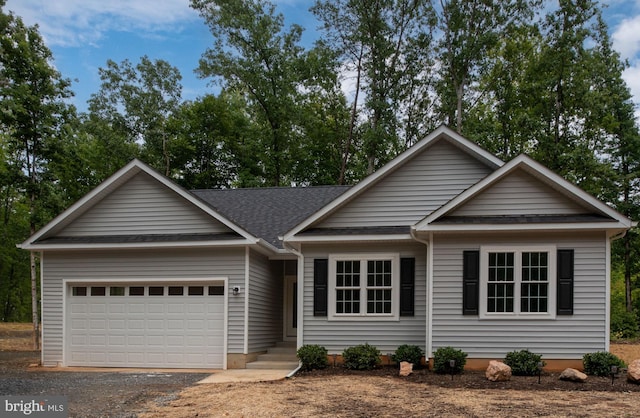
(457, 139)
(350, 238)
(537, 170)
(140, 245)
(131, 169)
(525, 227)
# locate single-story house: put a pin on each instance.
(446, 245)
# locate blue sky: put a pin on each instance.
(84, 34)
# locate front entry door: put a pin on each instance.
(291, 307)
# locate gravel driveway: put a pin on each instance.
(92, 394)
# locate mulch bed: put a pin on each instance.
(549, 381)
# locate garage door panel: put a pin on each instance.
(136, 308)
(117, 308)
(176, 308)
(98, 308)
(145, 331)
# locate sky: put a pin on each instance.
(84, 34)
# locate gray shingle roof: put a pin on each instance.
(269, 212)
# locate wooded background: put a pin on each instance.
(513, 76)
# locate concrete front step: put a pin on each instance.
(270, 356)
(282, 356)
(273, 365)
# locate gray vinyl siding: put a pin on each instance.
(385, 335)
(566, 337)
(413, 191)
(137, 266)
(520, 194)
(143, 206)
(265, 304)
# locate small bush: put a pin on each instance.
(441, 359)
(523, 362)
(624, 325)
(361, 357)
(313, 357)
(599, 363)
(411, 353)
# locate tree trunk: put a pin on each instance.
(34, 302)
(352, 123)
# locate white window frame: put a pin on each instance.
(518, 250)
(363, 315)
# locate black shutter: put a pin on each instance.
(320, 283)
(470, 282)
(407, 286)
(565, 282)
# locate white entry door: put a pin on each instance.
(145, 325)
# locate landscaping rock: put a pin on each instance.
(498, 371)
(633, 373)
(573, 375)
(406, 368)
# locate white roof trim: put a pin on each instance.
(566, 226)
(457, 139)
(136, 245)
(350, 238)
(134, 167)
(545, 175)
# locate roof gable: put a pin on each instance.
(367, 193)
(519, 193)
(136, 200)
(523, 194)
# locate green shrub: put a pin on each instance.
(313, 357)
(441, 359)
(599, 363)
(523, 362)
(411, 353)
(361, 357)
(624, 325)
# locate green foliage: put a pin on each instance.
(523, 362)
(361, 357)
(600, 362)
(443, 355)
(411, 353)
(313, 357)
(624, 325)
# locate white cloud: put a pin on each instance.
(626, 37)
(81, 22)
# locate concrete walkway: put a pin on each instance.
(246, 375)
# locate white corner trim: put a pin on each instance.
(247, 272)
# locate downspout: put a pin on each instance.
(429, 286)
(300, 312)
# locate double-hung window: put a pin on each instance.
(518, 282)
(364, 286)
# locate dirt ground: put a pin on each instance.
(338, 392)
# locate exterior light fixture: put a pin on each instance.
(236, 290)
(452, 366)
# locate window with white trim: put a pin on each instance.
(518, 282)
(364, 286)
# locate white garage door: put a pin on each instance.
(145, 325)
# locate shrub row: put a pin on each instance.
(447, 360)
